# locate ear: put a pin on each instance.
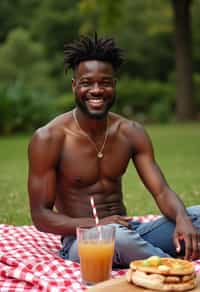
(73, 84)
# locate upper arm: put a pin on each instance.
(145, 163)
(43, 154)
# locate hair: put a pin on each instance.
(92, 48)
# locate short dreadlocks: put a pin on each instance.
(92, 48)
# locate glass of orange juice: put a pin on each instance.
(96, 249)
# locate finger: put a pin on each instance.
(177, 243)
(127, 218)
(194, 246)
(188, 247)
(176, 239)
(124, 223)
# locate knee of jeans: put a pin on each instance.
(194, 210)
(73, 253)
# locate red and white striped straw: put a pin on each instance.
(94, 210)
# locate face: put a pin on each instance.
(94, 88)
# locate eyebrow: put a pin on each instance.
(90, 77)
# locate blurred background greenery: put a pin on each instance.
(155, 83)
(158, 84)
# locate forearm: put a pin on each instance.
(57, 223)
(170, 204)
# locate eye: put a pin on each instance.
(84, 83)
(107, 83)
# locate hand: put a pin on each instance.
(186, 231)
(123, 220)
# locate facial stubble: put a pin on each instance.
(81, 104)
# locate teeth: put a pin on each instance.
(96, 101)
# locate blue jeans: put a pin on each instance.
(139, 241)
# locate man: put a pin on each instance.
(86, 151)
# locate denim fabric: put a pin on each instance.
(139, 241)
(67, 243)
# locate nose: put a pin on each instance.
(96, 89)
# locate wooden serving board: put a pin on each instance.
(121, 285)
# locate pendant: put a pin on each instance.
(100, 155)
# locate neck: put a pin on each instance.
(93, 127)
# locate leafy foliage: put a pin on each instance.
(32, 36)
(22, 109)
(23, 59)
(146, 100)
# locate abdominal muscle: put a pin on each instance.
(75, 201)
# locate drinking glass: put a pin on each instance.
(96, 249)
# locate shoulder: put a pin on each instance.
(50, 135)
(54, 130)
(134, 132)
(127, 126)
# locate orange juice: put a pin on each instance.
(96, 260)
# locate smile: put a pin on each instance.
(95, 102)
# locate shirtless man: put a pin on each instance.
(86, 151)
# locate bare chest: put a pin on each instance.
(79, 163)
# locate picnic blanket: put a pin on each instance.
(29, 261)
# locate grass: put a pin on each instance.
(176, 149)
(13, 189)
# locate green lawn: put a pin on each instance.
(177, 150)
(13, 177)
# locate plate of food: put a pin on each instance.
(154, 274)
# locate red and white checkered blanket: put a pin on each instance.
(29, 261)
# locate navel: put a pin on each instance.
(77, 180)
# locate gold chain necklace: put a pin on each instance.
(99, 152)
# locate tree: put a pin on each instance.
(15, 13)
(142, 28)
(143, 22)
(55, 23)
(183, 39)
(22, 59)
